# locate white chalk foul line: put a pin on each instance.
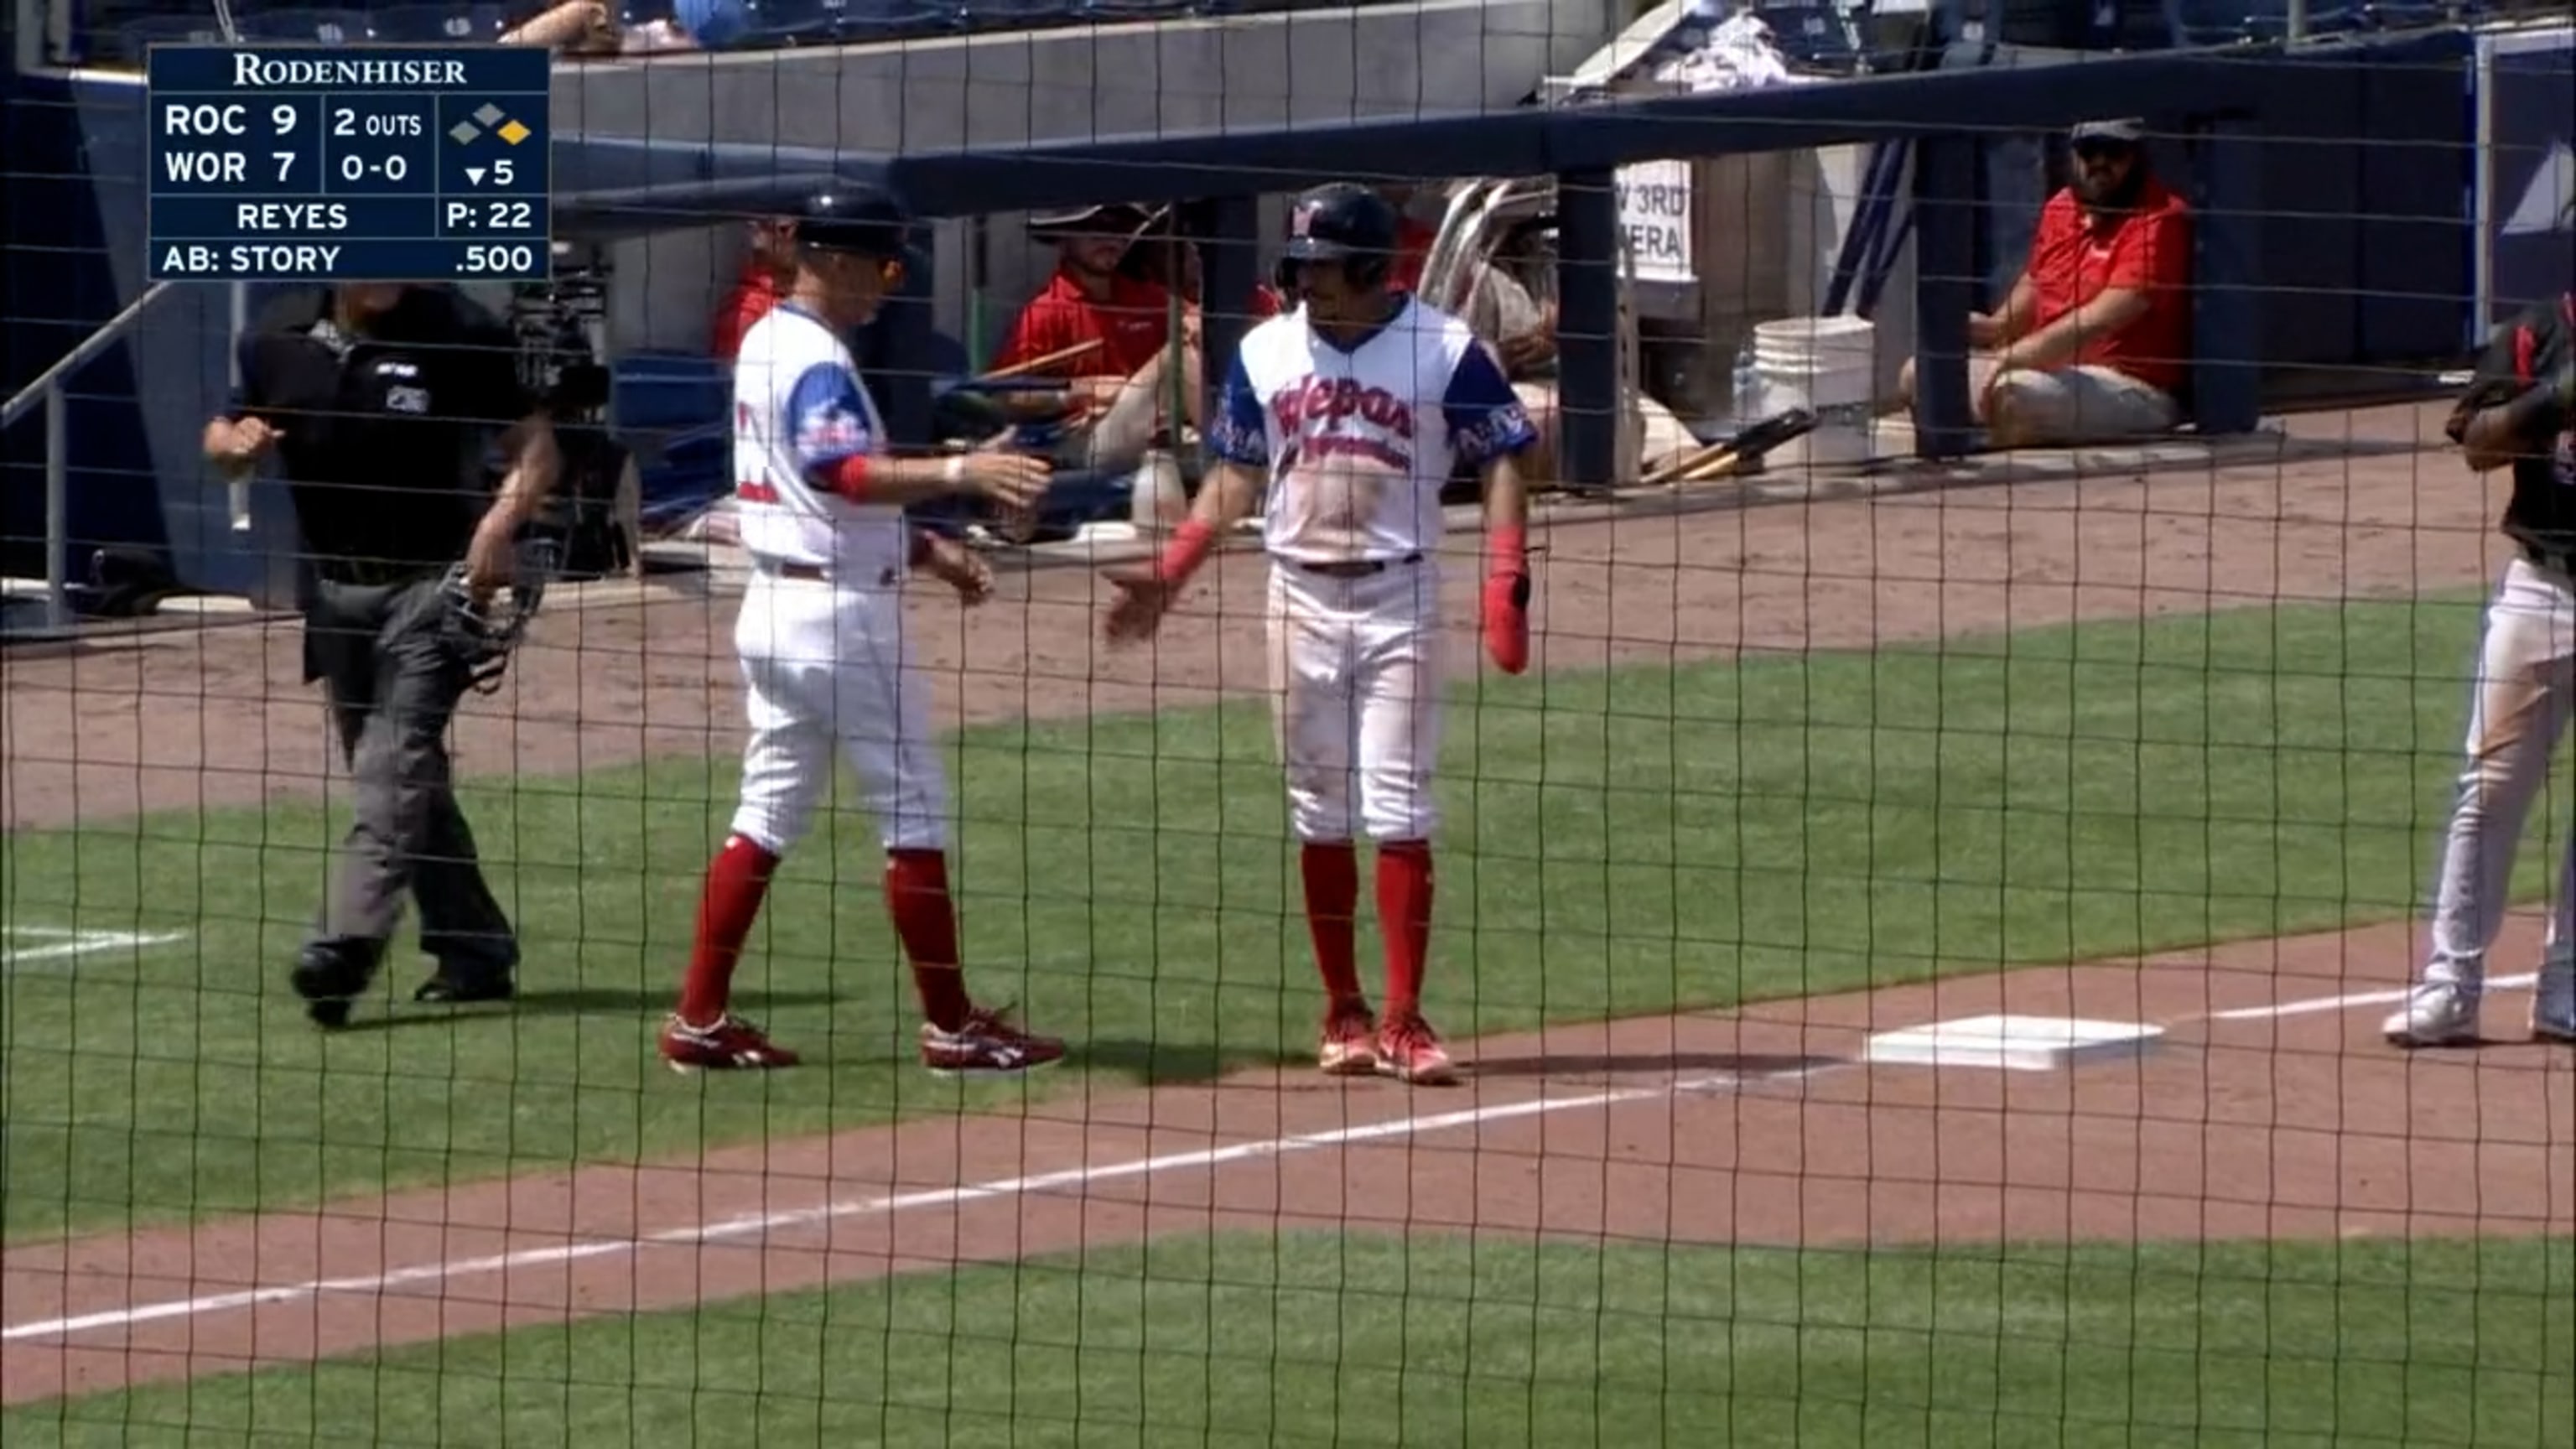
(64, 943)
(2316, 1004)
(753, 1225)
(758, 1224)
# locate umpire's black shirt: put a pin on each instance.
(384, 430)
(2542, 513)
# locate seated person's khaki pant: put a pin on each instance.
(2068, 406)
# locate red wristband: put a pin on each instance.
(1507, 549)
(849, 478)
(1191, 543)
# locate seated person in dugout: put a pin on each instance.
(1118, 403)
(768, 270)
(2095, 339)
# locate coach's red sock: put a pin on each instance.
(917, 896)
(737, 882)
(1404, 918)
(1332, 872)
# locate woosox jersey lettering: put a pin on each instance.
(1357, 443)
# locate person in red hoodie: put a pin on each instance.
(2095, 339)
(768, 271)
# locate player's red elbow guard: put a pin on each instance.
(849, 478)
(1191, 544)
(1506, 612)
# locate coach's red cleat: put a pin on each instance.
(1410, 1051)
(731, 1044)
(1349, 1046)
(986, 1045)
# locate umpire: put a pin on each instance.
(380, 402)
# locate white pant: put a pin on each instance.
(825, 666)
(2526, 686)
(1355, 700)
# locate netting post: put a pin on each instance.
(1945, 292)
(2226, 298)
(1587, 328)
(1231, 268)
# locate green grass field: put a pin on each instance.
(1623, 843)
(1440, 1341)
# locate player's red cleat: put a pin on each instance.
(731, 1044)
(1349, 1046)
(1410, 1051)
(986, 1045)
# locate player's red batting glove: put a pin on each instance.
(1145, 592)
(1507, 592)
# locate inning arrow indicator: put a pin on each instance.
(474, 175)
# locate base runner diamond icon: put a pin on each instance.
(490, 115)
(464, 131)
(513, 133)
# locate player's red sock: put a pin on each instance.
(1404, 918)
(917, 896)
(737, 882)
(1332, 872)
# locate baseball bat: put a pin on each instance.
(1041, 364)
(1747, 447)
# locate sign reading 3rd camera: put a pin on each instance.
(349, 164)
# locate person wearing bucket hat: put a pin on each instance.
(826, 664)
(2094, 341)
(1115, 393)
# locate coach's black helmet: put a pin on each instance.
(853, 218)
(1344, 223)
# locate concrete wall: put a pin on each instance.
(1443, 55)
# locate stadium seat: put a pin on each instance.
(1019, 14)
(2226, 22)
(1812, 37)
(133, 41)
(326, 27)
(430, 24)
(898, 19)
(826, 22)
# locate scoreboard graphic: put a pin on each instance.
(395, 163)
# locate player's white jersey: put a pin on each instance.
(799, 409)
(1357, 442)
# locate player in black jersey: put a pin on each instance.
(2519, 412)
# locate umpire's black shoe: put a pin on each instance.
(328, 986)
(459, 988)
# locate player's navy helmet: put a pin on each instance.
(1345, 223)
(853, 219)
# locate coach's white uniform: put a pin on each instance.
(820, 634)
(1356, 444)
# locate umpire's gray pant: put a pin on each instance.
(395, 669)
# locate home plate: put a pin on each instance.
(2008, 1043)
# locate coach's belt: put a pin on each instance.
(817, 574)
(1358, 568)
(2559, 559)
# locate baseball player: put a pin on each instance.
(2520, 410)
(820, 636)
(1341, 418)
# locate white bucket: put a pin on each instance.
(1830, 365)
